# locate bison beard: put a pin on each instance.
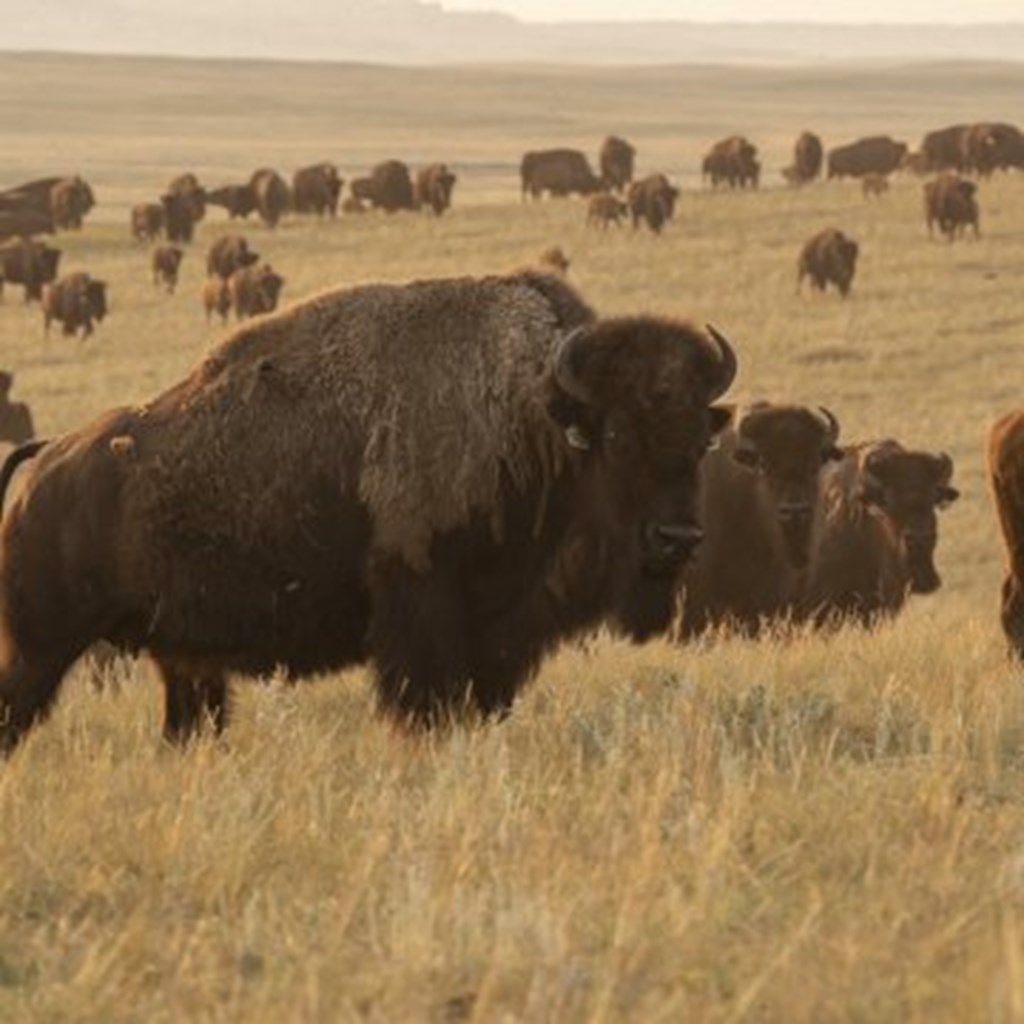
(311, 497)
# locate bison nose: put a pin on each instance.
(670, 540)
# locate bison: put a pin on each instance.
(270, 194)
(388, 187)
(310, 497)
(187, 186)
(605, 209)
(76, 300)
(808, 156)
(147, 221)
(732, 161)
(942, 150)
(25, 223)
(316, 189)
(179, 217)
(216, 298)
(71, 199)
(652, 200)
(228, 254)
(829, 257)
(874, 185)
(434, 185)
(237, 200)
(879, 531)
(1006, 478)
(951, 202)
(759, 507)
(992, 146)
(559, 172)
(165, 264)
(616, 163)
(877, 154)
(15, 417)
(254, 290)
(30, 264)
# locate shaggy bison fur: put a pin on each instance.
(829, 257)
(75, 301)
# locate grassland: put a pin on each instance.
(801, 829)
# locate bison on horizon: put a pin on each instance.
(316, 189)
(270, 194)
(559, 172)
(443, 479)
(877, 154)
(388, 187)
(732, 161)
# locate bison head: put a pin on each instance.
(787, 446)
(634, 396)
(903, 489)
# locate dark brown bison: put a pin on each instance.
(237, 200)
(166, 263)
(808, 157)
(830, 257)
(187, 186)
(25, 224)
(147, 221)
(874, 185)
(942, 150)
(616, 163)
(311, 497)
(75, 301)
(434, 185)
(877, 154)
(652, 200)
(254, 290)
(179, 217)
(388, 187)
(1006, 478)
(271, 195)
(228, 254)
(216, 298)
(992, 146)
(316, 189)
(879, 531)
(732, 161)
(37, 191)
(71, 199)
(30, 264)
(760, 510)
(605, 209)
(15, 417)
(559, 172)
(951, 202)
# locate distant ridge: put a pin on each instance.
(413, 32)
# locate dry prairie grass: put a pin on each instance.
(802, 829)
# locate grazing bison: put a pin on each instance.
(951, 202)
(992, 146)
(237, 200)
(559, 172)
(605, 209)
(166, 263)
(616, 163)
(434, 185)
(228, 254)
(759, 508)
(254, 290)
(188, 188)
(310, 497)
(653, 201)
(808, 156)
(830, 257)
(316, 189)
(1006, 478)
(15, 417)
(942, 150)
(388, 187)
(732, 161)
(179, 217)
(216, 298)
(874, 185)
(76, 300)
(271, 195)
(147, 221)
(877, 154)
(30, 264)
(879, 531)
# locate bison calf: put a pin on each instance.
(605, 209)
(830, 257)
(216, 298)
(874, 185)
(75, 301)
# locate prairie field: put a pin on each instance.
(805, 828)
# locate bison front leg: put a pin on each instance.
(192, 698)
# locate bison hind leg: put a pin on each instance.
(27, 692)
(193, 697)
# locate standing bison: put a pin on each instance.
(559, 172)
(270, 195)
(191, 192)
(616, 163)
(179, 216)
(605, 209)
(254, 290)
(228, 254)
(317, 189)
(237, 200)
(877, 154)
(652, 201)
(829, 257)
(808, 156)
(733, 162)
(951, 202)
(147, 221)
(942, 149)
(992, 146)
(30, 264)
(75, 301)
(434, 186)
(165, 265)
(443, 479)
(388, 187)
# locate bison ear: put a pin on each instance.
(947, 495)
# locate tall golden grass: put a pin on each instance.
(805, 828)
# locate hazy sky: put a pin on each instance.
(754, 10)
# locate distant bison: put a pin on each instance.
(732, 161)
(388, 187)
(808, 156)
(879, 530)
(254, 290)
(75, 301)
(951, 202)
(25, 224)
(16, 425)
(147, 221)
(877, 154)
(216, 298)
(280, 509)
(316, 189)
(616, 163)
(187, 186)
(943, 150)
(605, 209)
(237, 200)
(270, 194)
(228, 254)
(71, 199)
(179, 217)
(559, 172)
(874, 185)
(830, 257)
(28, 263)
(166, 263)
(652, 200)
(992, 146)
(761, 516)
(434, 185)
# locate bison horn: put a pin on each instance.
(565, 375)
(727, 359)
(831, 423)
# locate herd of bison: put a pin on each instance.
(308, 498)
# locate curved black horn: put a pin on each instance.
(565, 376)
(727, 361)
(830, 422)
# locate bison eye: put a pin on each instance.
(749, 458)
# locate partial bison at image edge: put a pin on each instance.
(443, 479)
